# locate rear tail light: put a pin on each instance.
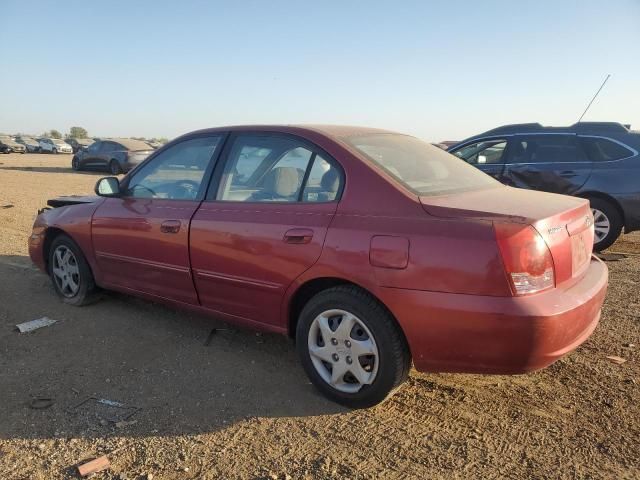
(527, 259)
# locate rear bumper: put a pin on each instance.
(502, 335)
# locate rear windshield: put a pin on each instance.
(419, 166)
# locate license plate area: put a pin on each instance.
(579, 252)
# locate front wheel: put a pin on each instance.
(75, 164)
(607, 223)
(351, 347)
(70, 273)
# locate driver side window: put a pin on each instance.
(175, 174)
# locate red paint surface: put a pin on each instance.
(433, 261)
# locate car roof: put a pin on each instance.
(332, 131)
(580, 127)
(129, 143)
(609, 129)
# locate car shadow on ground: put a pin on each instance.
(55, 170)
(165, 364)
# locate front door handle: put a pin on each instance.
(568, 173)
(170, 226)
(298, 235)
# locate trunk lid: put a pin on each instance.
(565, 223)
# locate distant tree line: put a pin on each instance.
(80, 132)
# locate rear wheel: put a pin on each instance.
(351, 347)
(114, 167)
(607, 223)
(70, 273)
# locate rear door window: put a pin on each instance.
(545, 149)
(274, 168)
(604, 150)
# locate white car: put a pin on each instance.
(54, 145)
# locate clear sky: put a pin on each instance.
(438, 70)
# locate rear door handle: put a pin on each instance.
(298, 235)
(568, 173)
(170, 226)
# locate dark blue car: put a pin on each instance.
(594, 160)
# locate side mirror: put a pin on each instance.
(108, 187)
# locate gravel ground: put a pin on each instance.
(242, 407)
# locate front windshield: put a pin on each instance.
(419, 166)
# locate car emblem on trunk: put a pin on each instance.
(553, 230)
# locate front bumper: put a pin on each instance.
(501, 335)
(36, 247)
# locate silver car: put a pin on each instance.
(54, 145)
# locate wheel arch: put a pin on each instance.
(51, 234)
(312, 287)
(607, 198)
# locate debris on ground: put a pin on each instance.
(125, 423)
(610, 257)
(35, 324)
(94, 466)
(213, 333)
(615, 359)
(104, 410)
(8, 205)
(40, 403)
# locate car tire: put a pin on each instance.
(373, 353)
(75, 164)
(607, 222)
(70, 273)
(114, 167)
(54, 151)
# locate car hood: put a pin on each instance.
(72, 200)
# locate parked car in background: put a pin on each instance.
(31, 144)
(78, 144)
(9, 145)
(54, 145)
(117, 155)
(598, 161)
(373, 249)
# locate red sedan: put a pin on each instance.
(373, 249)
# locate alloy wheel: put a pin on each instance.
(65, 271)
(601, 224)
(343, 350)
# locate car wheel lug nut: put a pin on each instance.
(334, 341)
(335, 357)
(349, 361)
(347, 343)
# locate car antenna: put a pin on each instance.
(594, 97)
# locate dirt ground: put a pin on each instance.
(241, 407)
